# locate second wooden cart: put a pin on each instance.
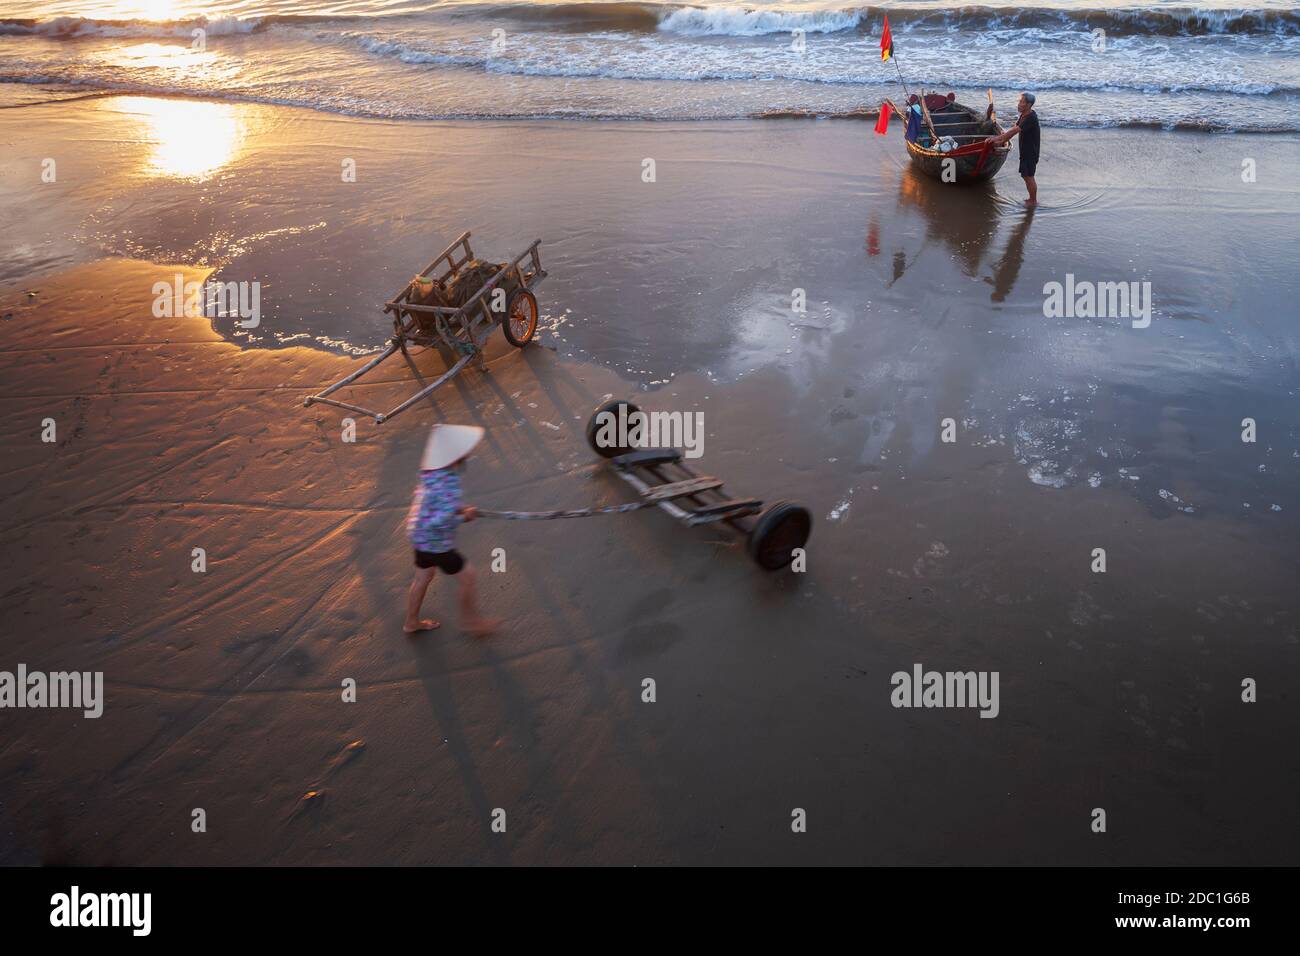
(506, 299)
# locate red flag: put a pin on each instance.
(882, 124)
(886, 42)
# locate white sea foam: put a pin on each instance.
(748, 22)
(73, 27)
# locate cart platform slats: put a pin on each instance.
(725, 510)
(680, 489)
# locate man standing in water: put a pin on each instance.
(1027, 127)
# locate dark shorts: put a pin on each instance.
(1027, 166)
(448, 562)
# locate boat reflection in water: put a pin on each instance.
(963, 219)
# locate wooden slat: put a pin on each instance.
(736, 508)
(680, 489)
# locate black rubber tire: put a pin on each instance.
(530, 302)
(782, 527)
(593, 424)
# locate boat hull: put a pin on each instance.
(974, 167)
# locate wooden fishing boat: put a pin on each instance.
(968, 158)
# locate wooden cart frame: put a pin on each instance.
(462, 331)
(659, 476)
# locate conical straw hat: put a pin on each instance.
(448, 444)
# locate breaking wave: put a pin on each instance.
(737, 20)
(746, 22)
(77, 27)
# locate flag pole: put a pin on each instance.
(924, 112)
(902, 81)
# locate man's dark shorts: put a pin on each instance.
(448, 562)
(1027, 166)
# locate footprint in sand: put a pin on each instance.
(643, 637)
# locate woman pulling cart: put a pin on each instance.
(776, 534)
(437, 510)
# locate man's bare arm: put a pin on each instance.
(1004, 136)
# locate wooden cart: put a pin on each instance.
(462, 331)
(660, 477)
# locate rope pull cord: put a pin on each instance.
(573, 513)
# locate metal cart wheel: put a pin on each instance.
(782, 527)
(608, 450)
(520, 324)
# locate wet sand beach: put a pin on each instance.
(1119, 690)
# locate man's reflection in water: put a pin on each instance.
(1007, 269)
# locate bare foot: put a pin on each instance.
(1031, 202)
(481, 626)
(425, 625)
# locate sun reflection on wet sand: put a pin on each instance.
(190, 140)
(169, 56)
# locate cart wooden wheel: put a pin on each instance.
(521, 318)
(782, 527)
(603, 448)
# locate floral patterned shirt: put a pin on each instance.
(432, 521)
